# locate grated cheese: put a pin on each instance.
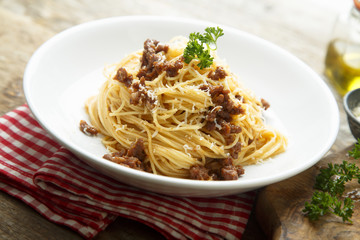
(217, 125)
(154, 134)
(356, 112)
(186, 148)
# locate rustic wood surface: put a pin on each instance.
(284, 202)
(301, 27)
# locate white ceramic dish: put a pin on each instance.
(66, 70)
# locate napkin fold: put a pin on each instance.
(62, 188)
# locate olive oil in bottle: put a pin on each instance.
(342, 61)
(342, 65)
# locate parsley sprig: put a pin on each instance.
(355, 152)
(323, 203)
(200, 45)
(330, 185)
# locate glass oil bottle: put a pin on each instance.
(342, 61)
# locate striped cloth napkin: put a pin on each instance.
(49, 178)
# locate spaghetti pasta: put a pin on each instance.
(187, 118)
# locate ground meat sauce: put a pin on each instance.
(124, 77)
(139, 95)
(199, 172)
(221, 97)
(131, 162)
(234, 151)
(87, 129)
(240, 98)
(137, 150)
(265, 104)
(133, 158)
(218, 117)
(223, 169)
(218, 74)
(231, 172)
(172, 68)
(153, 61)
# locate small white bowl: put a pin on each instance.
(67, 69)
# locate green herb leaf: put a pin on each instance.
(346, 211)
(195, 48)
(330, 185)
(355, 152)
(333, 178)
(323, 203)
(211, 36)
(320, 205)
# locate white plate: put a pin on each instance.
(66, 70)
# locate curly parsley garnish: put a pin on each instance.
(355, 153)
(330, 185)
(200, 45)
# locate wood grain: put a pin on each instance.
(284, 202)
(19, 37)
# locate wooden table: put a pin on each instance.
(301, 27)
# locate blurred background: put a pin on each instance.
(301, 27)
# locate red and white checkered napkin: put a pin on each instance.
(46, 176)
